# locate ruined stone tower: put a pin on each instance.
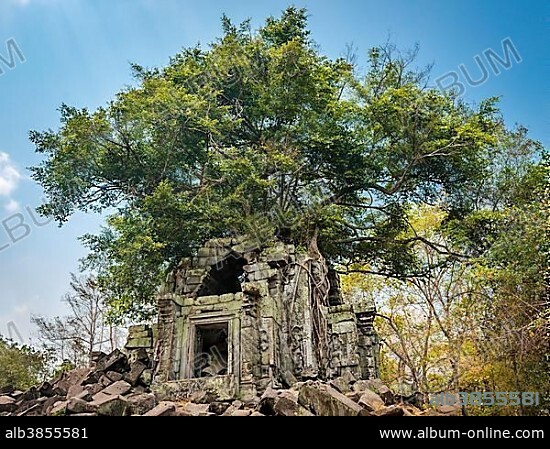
(238, 318)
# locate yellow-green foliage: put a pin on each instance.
(20, 366)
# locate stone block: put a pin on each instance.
(392, 410)
(344, 327)
(213, 299)
(110, 405)
(113, 376)
(118, 388)
(192, 409)
(7, 404)
(94, 389)
(324, 400)
(136, 369)
(105, 381)
(371, 401)
(138, 328)
(218, 408)
(78, 391)
(76, 405)
(344, 382)
(116, 361)
(59, 409)
(165, 408)
(135, 343)
(136, 335)
(194, 280)
(226, 298)
(141, 403)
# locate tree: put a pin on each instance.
(476, 321)
(260, 127)
(425, 322)
(21, 366)
(76, 337)
(515, 287)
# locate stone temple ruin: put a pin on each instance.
(238, 318)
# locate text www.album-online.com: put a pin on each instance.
(488, 432)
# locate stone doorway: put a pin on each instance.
(211, 350)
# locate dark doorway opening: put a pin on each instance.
(224, 277)
(211, 350)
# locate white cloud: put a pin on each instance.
(12, 206)
(9, 179)
(9, 175)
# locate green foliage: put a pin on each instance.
(513, 277)
(63, 367)
(21, 366)
(259, 127)
(478, 320)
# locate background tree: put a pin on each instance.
(21, 366)
(424, 321)
(511, 274)
(476, 321)
(260, 127)
(76, 337)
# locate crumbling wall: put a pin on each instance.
(286, 319)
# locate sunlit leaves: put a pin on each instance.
(260, 127)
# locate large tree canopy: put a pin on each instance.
(259, 133)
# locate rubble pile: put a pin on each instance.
(119, 385)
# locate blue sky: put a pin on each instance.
(78, 52)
